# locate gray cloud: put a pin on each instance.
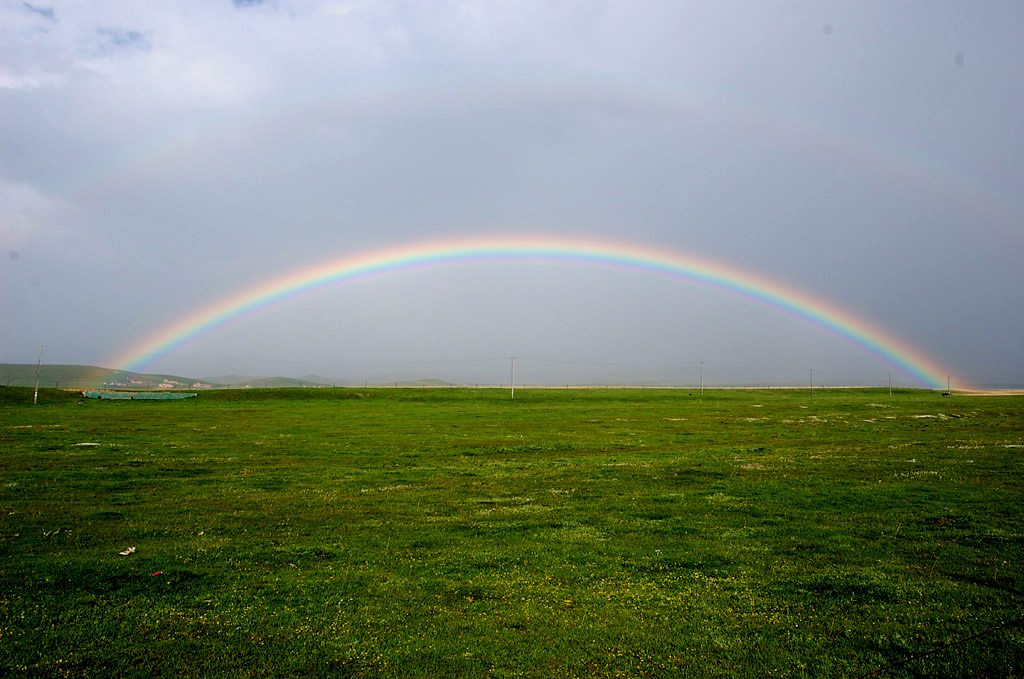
(123, 39)
(41, 11)
(196, 150)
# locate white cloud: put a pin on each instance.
(26, 213)
(27, 81)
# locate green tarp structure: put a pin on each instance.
(138, 395)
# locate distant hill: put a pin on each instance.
(320, 379)
(92, 377)
(252, 382)
(430, 382)
(230, 379)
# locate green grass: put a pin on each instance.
(567, 533)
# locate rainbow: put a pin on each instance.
(677, 266)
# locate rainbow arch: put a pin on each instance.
(814, 311)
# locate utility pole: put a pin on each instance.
(890, 385)
(39, 363)
(812, 383)
(513, 383)
(702, 378)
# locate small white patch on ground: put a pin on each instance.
(503, 500)
(911, 475)
(723, 499)
(577, 533)
(514, 508)
(385, 489)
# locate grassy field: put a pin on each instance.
(566, 533)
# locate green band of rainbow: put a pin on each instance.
(828, 317)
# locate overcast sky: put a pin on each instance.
(156, 157)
